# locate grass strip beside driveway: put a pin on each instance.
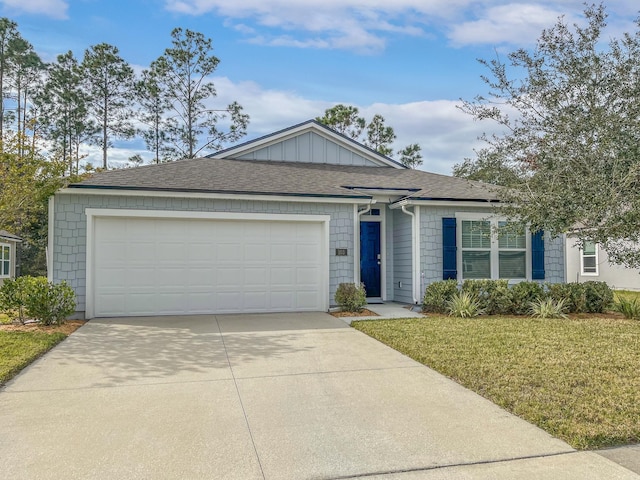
(575, 378)
(18, 349)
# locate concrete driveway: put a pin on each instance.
(260, 397)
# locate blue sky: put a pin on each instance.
(286, 61)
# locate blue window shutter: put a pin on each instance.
(449, 250)
(537, 255)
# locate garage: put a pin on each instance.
(169, 263)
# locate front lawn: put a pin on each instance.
(576, 378)
(20, 348)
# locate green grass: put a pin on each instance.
(628, 294)
(575, 378)
(19, 349)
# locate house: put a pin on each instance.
(591, 263)
(8, 255)
(276, 224)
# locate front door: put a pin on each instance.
(370, 257)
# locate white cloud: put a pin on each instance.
(515, 23)
(445, 134)
(366, 25)
(50, 8)
(362, 25)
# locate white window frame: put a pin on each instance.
(495, 250)
(582, 255)
(2, 275)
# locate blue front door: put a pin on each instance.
(370, 257)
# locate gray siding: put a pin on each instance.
(389, 216)
(309, 148)
(70, 235)
(616, 276)
(554, 261)
(431, 246)
(402, 257)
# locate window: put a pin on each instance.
(5, 259)
(512, 252)
(492, 249)
(476, 249)
(589, 259)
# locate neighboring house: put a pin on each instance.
(8, 255)
(591, 263)
(276, 224)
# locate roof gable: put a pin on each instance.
(308, 142)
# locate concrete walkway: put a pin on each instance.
(386, 311)
(260, 397)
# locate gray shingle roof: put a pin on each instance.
(286, 178)
(9, 236)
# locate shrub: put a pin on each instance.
(351, 297)
(494, 296)
(523, 294)
(547, 308)
(573, 295)
(465, 305)
(50, 303)
(598, 296)
(630, 308)
(14, 297)
(37, 298)
(437, 294)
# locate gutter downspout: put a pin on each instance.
(415, 252)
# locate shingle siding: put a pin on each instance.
(431, 261)
(554, 267)
(70, 236)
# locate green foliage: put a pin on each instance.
(183, 74)
(379, 136)
(464, 305)
(573, 295)
(437, 295)
(547, 308)
(411, 156)
(598, 296)
(109, 83)
(629, 307)
(494, 296)
(51, 303)
(570, 147)
(351, 297)
(346, 119)
(63, 106)
(525, 293)
(37, 298)
(14, 297)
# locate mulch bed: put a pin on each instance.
(67, 328)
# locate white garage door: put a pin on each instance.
(167, 266)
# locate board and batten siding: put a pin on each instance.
(70, 234)
(389, 234)
(309, 148)
(402, 265)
